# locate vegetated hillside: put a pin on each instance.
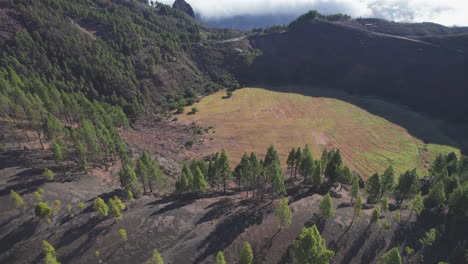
(426, 77)
(122, 52)
(254, 118)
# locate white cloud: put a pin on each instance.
(447, 12)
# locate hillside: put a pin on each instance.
(397, 69)
(123, 124)
(254, 118)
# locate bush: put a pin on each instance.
(42, 210)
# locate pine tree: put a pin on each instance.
(275, 173)
(391, 257)
(100, 207)
(129, 181)
(375, 215)
(374, 187)
(123, 234)
(298, 161)
(317, 176)
(326, 207)
(388, 180)
(220, 258)
(357, 208)
(436, 196)
(333, 168)
(42, 210)
(384, 204)
(156, 258)
(246, 255)
(185, 182)
(355, 188)
(16, 199)
(224, 169)
(283, 212)
(310, 248)
(271, 156)
(307, 165)
(50, 253)
(291, 161)
(256, 170)
(245, 173)
(416, 205)
(48, 174)
(142, 171)
(407, 184)
(115, 206)
(57, 152)
(199, 183)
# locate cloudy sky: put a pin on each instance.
(446, 12)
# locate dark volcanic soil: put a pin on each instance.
(183, 229)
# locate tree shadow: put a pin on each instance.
(23, 232)
(357, 244)
(173, 206)
(229, 229)
(219, 208)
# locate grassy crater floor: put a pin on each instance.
(254, 118)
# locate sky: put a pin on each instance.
(446, 12)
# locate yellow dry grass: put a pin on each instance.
(254, 118)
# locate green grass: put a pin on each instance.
(254, 118)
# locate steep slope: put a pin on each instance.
(421, 75)
(123, 52)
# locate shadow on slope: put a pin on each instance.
(418, 125)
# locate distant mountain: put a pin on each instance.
(425, 76)
(248, 22)
(404, 29)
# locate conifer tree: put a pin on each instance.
(220, 258)
(275, 173)
(388, 180)
(48, 174)
(298, 161)
(291, 161)
(307, 165)
(115, 206)
(246, 255)
(416, 205)
(283, 212)
(310, 248)
(42, 210)
(16, 199)
(199, 183)
(326, 207)
(407, 184)
(391, 257)
(57, 152)
(156, 258)
(384, 204)
(100, 207)
(375, 216)
(142, 172)
(129, 181)
(271, 156)
(185, 182)
(374, 187)
(333, 168)
(355, 189)
(256, 170)
(357, 208)
(317, 175)
(244, 172)
(50, 253)
(224, 169)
